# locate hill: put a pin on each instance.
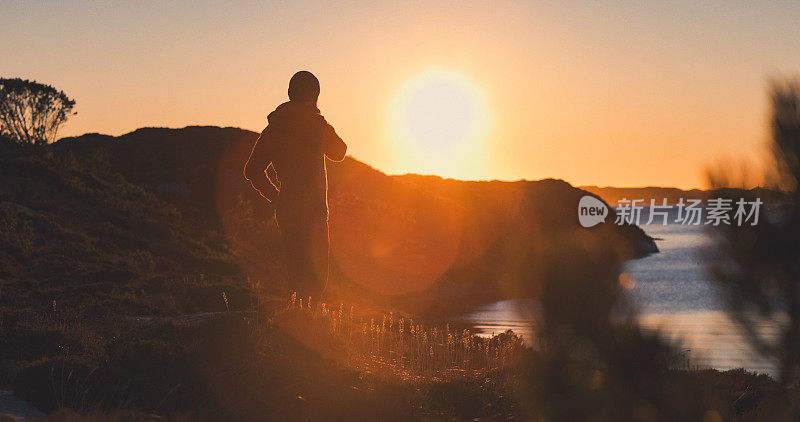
(612, 195)
(77, 231)
(101, 235)
(424, 243)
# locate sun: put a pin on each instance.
(439, 123)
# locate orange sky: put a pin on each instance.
(598, 93)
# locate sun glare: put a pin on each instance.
(439, 123)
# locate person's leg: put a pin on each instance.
(318, 255)
(293, 236)
(305, 241)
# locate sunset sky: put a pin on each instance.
(605, 93)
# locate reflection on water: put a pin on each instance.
(674, 295)
(497, 317)
(712, 339)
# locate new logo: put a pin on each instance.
(591, 211)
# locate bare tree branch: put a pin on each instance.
(31, 113)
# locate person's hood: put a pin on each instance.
(292, 110)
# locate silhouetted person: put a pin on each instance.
(296, 142)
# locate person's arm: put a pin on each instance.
(256, 166)
(332, 145)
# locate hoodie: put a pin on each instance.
(295, 143)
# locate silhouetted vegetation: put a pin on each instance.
(757, 265)
(30, 112)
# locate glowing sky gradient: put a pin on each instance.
(607, 93)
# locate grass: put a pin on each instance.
(295, 361)
(399, 347)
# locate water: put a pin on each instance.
(674, 295)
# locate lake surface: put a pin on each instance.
(674, 295)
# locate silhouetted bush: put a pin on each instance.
(756, 266)
(31, 112)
